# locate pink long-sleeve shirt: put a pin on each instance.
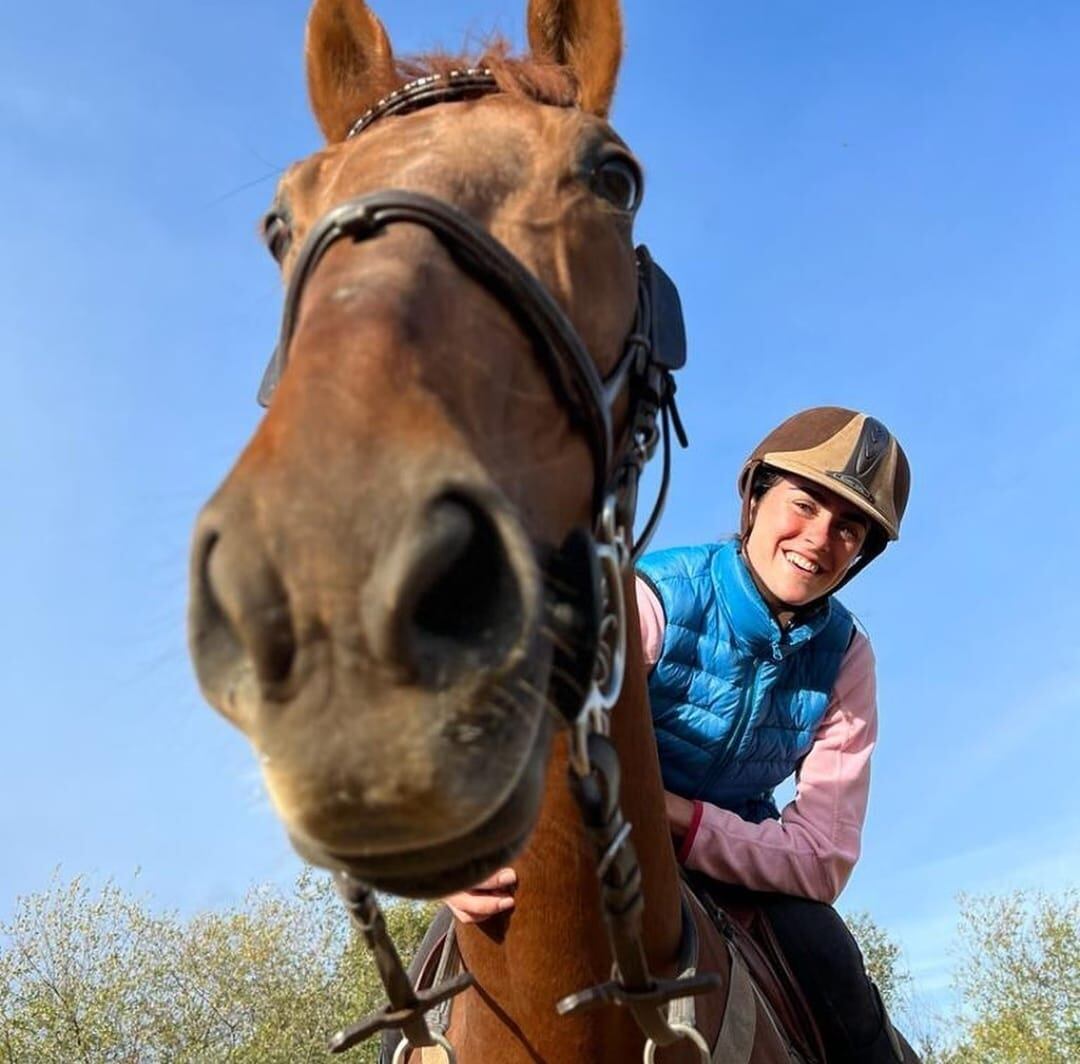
(811, 850)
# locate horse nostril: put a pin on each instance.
(240, 615)
(215, 645)
(462, 604)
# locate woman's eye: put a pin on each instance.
(618, 180)
(851, 533)
(804, 507)
(277, 236)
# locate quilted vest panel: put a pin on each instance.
(735, 701)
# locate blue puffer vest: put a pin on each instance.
(735, 701)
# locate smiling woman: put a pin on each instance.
(758, 673)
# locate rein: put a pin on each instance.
(584, 577)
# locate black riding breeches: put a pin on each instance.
(828, 965)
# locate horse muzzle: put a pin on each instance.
(402, 725)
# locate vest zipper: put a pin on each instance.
(735, 739)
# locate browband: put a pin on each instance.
(450, 87)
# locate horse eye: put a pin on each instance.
(276, 235)
(618, 180)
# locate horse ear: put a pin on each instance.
(584, 35)
(350, 64)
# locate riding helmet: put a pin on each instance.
(851, 454)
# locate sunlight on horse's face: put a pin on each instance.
(366, 597)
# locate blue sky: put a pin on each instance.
(868, 205)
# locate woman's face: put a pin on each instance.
(802, 539)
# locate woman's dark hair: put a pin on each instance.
(765, 478)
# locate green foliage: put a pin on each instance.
(1019, 978)
(95, 976)
(883, 959)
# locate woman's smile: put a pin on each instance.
(802, 563)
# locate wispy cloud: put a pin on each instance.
(1001, 758)
(1059, 696)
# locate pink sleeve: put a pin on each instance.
(651, 620)
(811, 850)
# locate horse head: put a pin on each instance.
(368, 597)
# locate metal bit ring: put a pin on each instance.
(692, 1034)
(404, 1047)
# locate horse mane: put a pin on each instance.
(533, 79)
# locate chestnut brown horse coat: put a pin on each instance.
(382, 526)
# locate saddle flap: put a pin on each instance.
(746, 925)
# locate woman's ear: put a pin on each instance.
(350, 64)
(584, 35)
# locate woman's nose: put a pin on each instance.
(818, 531)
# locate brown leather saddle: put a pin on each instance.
(742, 920)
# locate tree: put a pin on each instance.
(1019, 978)
(94, 976)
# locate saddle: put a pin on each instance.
(742, 920)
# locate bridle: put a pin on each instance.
(571, 371)
(592, 562)
(657, 340)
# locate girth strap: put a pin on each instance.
(449, 967)
(684, 1010)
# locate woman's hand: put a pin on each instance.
(680, 814)
(495, 895)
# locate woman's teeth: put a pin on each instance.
(805, 564)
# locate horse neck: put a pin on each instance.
(554, 942)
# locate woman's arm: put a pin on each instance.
(812, 849)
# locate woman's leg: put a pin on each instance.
(829, 966)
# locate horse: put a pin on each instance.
(456, 389)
